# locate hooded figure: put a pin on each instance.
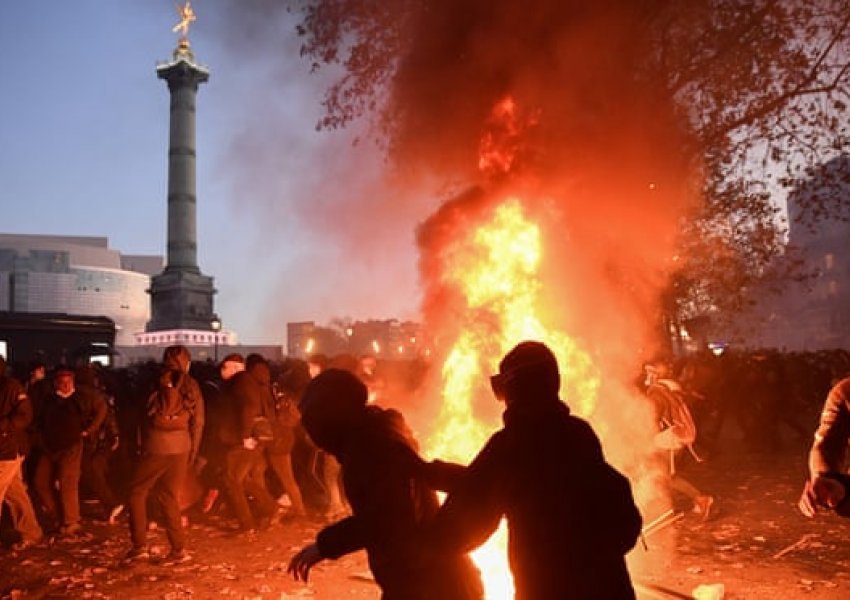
(391, 504)
(571, 516)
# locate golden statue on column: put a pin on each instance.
(187, 16)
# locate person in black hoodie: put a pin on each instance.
(571, 516)
(390, 501)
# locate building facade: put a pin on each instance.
(76, 275)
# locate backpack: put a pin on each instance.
(169, 407)
(678, 429)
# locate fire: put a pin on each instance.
(496, 271)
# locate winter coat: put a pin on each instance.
(64, 419)
(15, 416)
(252, 399)
(571, 517)
(391, 508)
(176, 441)
(829, 451)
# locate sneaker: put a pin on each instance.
(27, 544)
(265, 522)
(137, 554)
(178, 555)
(115, 513)
(71, 530)
(702, 506)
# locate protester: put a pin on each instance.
(15, 417)
(677, 433)
(391, 505)
(219, 429)
(571, 516)
(827, 485)
(99, 447)
(245, 463)
(172, 437)
(279, 452)
(68, 418)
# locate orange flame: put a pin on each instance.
(501, 143)
(496, 270)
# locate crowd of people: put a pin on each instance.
(162, 437)
(265, 443)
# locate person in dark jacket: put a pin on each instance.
(390, 503)
(68, 418)
(571, 517)
(98, 448)
(245, 463)
(828, 483)
(279, 452)
(15, 417)
(175, 422)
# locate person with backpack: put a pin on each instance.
(172, 437)
(677, 432)
(68, 418)
(571, 516)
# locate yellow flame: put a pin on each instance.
(497, 272)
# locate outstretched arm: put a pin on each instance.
(474, 507)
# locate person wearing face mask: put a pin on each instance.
(68, 418)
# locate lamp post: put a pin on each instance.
(215, 325)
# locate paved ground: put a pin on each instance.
(757, 547)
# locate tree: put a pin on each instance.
(737, 96)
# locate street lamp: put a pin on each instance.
(215, 325)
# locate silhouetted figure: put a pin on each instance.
(391, 505)
(571, 516)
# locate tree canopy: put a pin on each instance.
(737, 96)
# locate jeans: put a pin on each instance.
(245, 475)
(62, 466)
(281, 464)
(95, 469)
(13, 492)
(169, 470)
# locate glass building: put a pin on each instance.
(79, 276)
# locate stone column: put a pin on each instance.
(181, 296)
(183, 77)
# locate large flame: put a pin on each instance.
(483, 259)
(496, 270)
